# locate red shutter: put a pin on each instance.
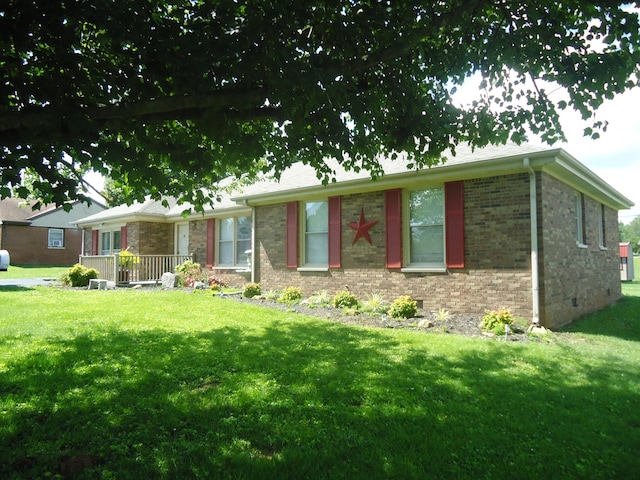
(211, 238)
(123, 238)
(393, 221)
(292, 235)
(335, 233)
(94, 242)
(454, 213)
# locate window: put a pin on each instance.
(109, 241)
(425, 228)
(426, 232)
(580, 226)
(316, 234)
(602, 227)
(313, 230)
(56, 238)
(234, 240)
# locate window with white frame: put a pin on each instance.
(580, 226)
(602, 227)
(316, 234)
(425, 233)
(56, 238)
(234, 241)
(109, 241)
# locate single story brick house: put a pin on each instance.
(526, 227)
(45, 236)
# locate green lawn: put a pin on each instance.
(150, 384)
(15, 271)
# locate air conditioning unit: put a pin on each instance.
(56, 243)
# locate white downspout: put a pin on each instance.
(535, 279)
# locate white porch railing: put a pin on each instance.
(133, 268)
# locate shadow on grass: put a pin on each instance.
(14, 288)
(621, 320)
(300, 401)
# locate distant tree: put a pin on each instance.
(114, 193)
(631, 233)
(172, 95)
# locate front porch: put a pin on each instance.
(130, 268)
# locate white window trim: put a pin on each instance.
(409, 267)
(50, 243)
(235, 266)
(601, 227)
(111, 231)
(580, 240)
(311, 267)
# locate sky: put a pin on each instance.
(615, 156)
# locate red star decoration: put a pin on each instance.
(362, 228)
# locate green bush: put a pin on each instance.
(320, 299)
(495, 320)
(190, 272)
(345, 299)
(79, 276)
(403, 307)
(375, 304)
(290, 295)
(251, 290)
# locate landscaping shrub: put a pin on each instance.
(345, 299)
(290, 295)
(443, 315)
(495, 320)
(189, 273)
(272, 295)
(251, 290)
(403, 307)
(375, 304)
(216, 284)
(79, 276)
(320, 299)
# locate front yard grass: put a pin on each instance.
(16, 271)
(150, 384)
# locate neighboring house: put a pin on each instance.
(45, 236)
(525, 227)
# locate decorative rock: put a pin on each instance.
(199, 285)
(168, 280)
(538, 329)
(424, 323)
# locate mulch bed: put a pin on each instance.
(460, 324)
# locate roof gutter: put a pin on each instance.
(535, 276)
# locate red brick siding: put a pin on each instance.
(150, 238)
(575, 281)
(497, 251)
(29, 246)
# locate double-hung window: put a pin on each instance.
(426, 228)
(109, 241)
(234, 241)
(580, 217)
(316, 234)
(602, 231)
(55, 238)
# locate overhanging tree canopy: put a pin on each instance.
(171, 95)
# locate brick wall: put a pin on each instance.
(150, 238)
(497, 253)
(575, 280)
(29, 246)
